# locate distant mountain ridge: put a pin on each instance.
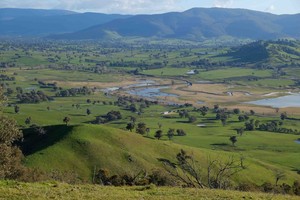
(194, 24)
(198, 24)
(31, 22)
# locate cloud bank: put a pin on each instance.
(106, 6)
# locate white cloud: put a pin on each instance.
(271, 8)
(223, 3)
(106, 6)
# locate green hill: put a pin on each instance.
(274, 53)
(82, 148)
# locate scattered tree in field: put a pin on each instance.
(236, 111)
(216, 108)
(130, 126)
(132, 107)
(180, 132)
(48, 108)
(233, 139)
(147, 131)
(283, 116)
(218, 172)
(159, 125)
(158, 134)
(141, 128)
(171, 133)
(192, 119)
(243, 118)
(132, 119)
(66, 120)
(256, 123)
(28, 120)
(240, 131)
(203, 110)
(17, 109)
(183, 113)
(250, 125)
(252, 112)
(88, 111)
(224, 121)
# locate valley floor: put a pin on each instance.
(54, 190)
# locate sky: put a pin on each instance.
(154, 6)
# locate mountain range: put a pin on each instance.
(193, 24)
(31, 22)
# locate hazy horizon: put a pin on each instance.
(154, 6)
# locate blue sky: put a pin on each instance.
(154, 6)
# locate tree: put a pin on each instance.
(236, 111)
(252, 112)
(192, 119)
(147, 131)
(28, 120)
(180, 132)
(9, 132)
(218, 172)
(88, 111)
(10, 155)
(283, 116)
(130, 126)
(132, 119)
(171, 133)
(158, 134)
(233, 139)
(240, 131)
(159, 125)
(250, 126)
(183, 113)
(132, 107)
(66, 120)
(141, 128)
(17, 109)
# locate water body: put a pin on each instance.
(151, 92)
(141, 84)
(200, 102)
(297, 141)
(280, 102)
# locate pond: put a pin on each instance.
(151, 92)
(297, 141)
(292, 100)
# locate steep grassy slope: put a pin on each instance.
(81, 148)
(15, 190)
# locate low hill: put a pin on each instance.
(281, 52)
(16, 190)
(31, 22)
(83, 148)
(197, 24)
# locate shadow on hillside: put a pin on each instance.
(36, 139)
(220, 144)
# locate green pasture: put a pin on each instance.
(54, 190)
